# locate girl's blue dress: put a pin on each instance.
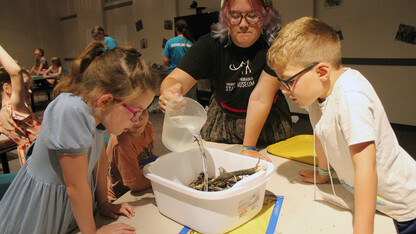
(37, 201)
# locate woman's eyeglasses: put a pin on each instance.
(136, 114)
(287, 84)
(235, 17)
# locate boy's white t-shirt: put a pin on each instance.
(353, 114)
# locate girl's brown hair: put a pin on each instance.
(119, 71)
(56, 61)
(5, 78)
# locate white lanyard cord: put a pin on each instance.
(329, 169)
(314, 169)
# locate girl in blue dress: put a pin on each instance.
(65, 176)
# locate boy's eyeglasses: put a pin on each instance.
(235, 17)
(289, 82)
(136, 114)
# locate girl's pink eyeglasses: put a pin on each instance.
(136, 114)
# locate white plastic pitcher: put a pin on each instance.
(184, 117)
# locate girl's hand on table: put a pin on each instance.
(308, 177)
(116, 228)
(255, 154)
(114, 210)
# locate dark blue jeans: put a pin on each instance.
(407, 227)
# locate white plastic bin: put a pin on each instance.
(207, 212)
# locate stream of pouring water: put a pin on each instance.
(198, 139)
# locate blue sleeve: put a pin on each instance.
(111, 43)
(70, 125)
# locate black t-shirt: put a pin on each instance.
(233, 71)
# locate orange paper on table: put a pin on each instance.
(298, 148)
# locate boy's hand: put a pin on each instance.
(308, 177)
(114, 210)
(255, 154)
(116, 228)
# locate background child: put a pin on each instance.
(41, 64)
(17, 121)
(127, 154)
(98, 34)
(54, 71)
(68, 166)
(353, 134)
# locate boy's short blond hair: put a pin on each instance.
(305, 41)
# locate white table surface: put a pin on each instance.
(299, 213)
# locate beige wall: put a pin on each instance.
(89, 14)
(368, 27)
(27, 25)
(153, 15)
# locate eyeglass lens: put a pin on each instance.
(289, 82)
(250, 17)
(136, 114)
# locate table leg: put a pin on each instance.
(5, 163)
(32, 101)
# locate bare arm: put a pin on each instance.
(178, 82)
(322, 162)
(55, 74)
(49, 70)
(75, 173)
(259, 105)
(365, 186)
(17, 98)
(40, 69)
(101, 178)
(32, 70)
(166, 60)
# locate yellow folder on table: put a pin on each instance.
(298, 148)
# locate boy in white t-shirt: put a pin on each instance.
(352, 133)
